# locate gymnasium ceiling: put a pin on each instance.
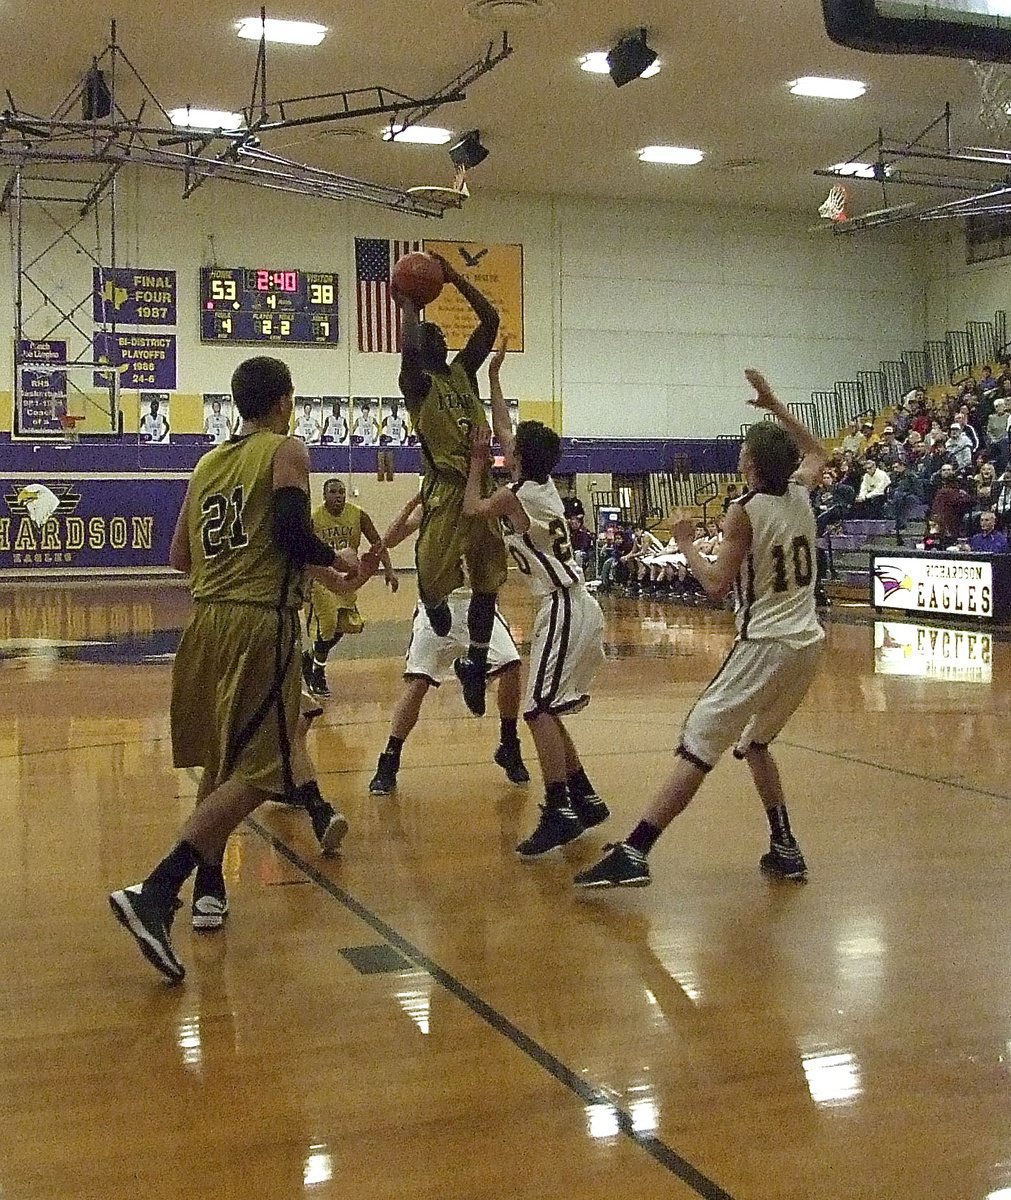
(550, 127)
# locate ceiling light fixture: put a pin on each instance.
(682, 156)
(420, 135)
(630, 59)
(293, 33)
(828, 89)
(205, 118)
(468, 151)
(596, 64)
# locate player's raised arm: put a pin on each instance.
(379, 548)
(406, 522)
(413, 383)
(482, 340)
(501, 422)
(502, 503)
(812, 452)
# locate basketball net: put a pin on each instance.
(994, 81)
(833, 207)
(454, 195)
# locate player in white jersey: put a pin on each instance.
(307, 428)
(154, 427)
(566, 646)
(216, 426)
(768, 557)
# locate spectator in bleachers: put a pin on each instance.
(613, 556)
(1002, 504)
(833, 501)
(935, 434)
(996, 423)
(904, 497)
(984, 488)
(987, 382)
(901, 423)
(959, 447)
(967, 392)
(989, 540)
(850, 471)
(855, 441)
(921, 421)
(871, 496)
(889, 450)
(951, 502)
(581, 539)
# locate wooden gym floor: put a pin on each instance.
(498, 1035)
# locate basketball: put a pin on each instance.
(418, 276)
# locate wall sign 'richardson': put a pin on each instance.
(86, 523)
(933, 652)
(937, 584)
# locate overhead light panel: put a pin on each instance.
(468, 151)
(596, 64)
(421, 135)
(828, 89)
(862, 170)
(205, 118)
(682, 156)
(293, 33)
(630, 59)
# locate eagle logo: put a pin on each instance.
(892, 580)
(39, 502)
(472, 260)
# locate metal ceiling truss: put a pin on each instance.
(930, 160)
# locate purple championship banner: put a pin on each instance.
(133, 296)
(42, 395)
(145, 361)
(89, 524)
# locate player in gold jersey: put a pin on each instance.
(244, 538)
(330, 614)
(444, 406)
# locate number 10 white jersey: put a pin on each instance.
(544, 553)
(774, 589)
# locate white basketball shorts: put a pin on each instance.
(431, 657)
(757, 690)
(566, 650)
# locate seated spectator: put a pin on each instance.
(904, 497)
(921, 421)
(732, 494)
(989, 540)
(935, 435)
(613, 557)
(832, 501)
(1002, 503)
(851, 472)
(967, 393)
(987, 383)
(855, 441)
(901, 423)
(984, 488)
(959, 447)
(997, 422)
(949, 508)
(889, 450)
(581, 540)
(871, 496)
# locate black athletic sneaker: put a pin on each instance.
(557, 827)
(384, 781)
(209, 911)
(621, 866)
(317, 680)
(149, 920)
(473, 680)
(784, 862)
(510, 759)
(329, 827)
(590, 810)
(307, 665)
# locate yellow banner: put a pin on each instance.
(495, 270)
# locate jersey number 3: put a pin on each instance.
(803, 568)
(221, 525)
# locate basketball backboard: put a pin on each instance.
(973, 29)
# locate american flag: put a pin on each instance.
(378, 316)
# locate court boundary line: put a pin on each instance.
(664, 1155)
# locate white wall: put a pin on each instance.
(639, 318)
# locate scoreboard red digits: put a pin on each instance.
(281, 305)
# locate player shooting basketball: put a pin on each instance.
(443, 402)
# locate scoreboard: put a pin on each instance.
(268, 304)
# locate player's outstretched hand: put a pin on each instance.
(449, 274)
(368, 564)
(764, 396)
(480, 442)
(392, 582)
(682, 527)
(498, 358)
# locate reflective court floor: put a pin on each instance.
(427, 1015)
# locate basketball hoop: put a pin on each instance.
(69, 423)
(451, 197)
(833, 207)
(994, 81)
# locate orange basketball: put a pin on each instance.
(418, 276)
